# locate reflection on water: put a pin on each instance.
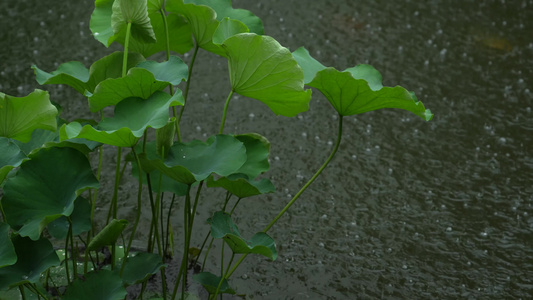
(408, 209)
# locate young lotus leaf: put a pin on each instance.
(8, 256)
(135, 12)
(139, 82)
(101, 285)
(132, 117)
(77, 76)
(141, 267)
(108, 235)
(34, 257)
(100, 23)
(11, 157)
(22, 115)
(44, 190)
(260, 68)
(210, 282)
(226, 29)
(223, 227)
(173, 71)
(80, 217)
(240, 186)
(257, 151)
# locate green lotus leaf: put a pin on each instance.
(139, 82)
(164, 138)
(202, 20)
(173, 71)
(179, 31)
(141, 267)
(159, 181)
(11, 157)
(195, 161)
(262, 69)
(34, 257)
(257, 151)
(80, 217)
(77, 76)
(136, 13)
(45, 188)
(224, 9)
(179, 35)
(205, 17)
(350, 96)
(102, 285)
(8, 256)
(220, 154)
(108, 235)
(132, 117)
(309, 65)
(228, 28)
(100, 23)
(241, 186)
(22, 115)
(211, 281)
(223, 227)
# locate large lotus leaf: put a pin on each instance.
(34, 257)
(138, 82)
(173, 71)
(241, 186)
(8, 256)
(11, 157)
(22, 115)
(211, 282)
(80, 217)
(195, 161)
(223, 227)
(224, 9)
(141, 267)
(136, 13)
(220, 154)
(262, 69)
(257, 151)
(108, 235)
(132, 117)
(101, 285)
(77, 76)
(45, 188)
(350, 96)
(159, 181)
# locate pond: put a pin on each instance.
(408, 209)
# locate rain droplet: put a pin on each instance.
(449, 229)
(484, 234)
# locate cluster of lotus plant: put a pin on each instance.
(50, 245)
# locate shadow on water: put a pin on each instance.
(407, 209)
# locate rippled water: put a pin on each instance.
(407, 209)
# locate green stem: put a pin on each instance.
(73, 257)
(22, 294)
(91, 232)
(225, 112)
(126, 45)
(138, 216)
(66, 254)
(167, 243)
(187, 85)
(339, 137)
(186, 247)
(113, 208)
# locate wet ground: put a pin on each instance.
(407, 209)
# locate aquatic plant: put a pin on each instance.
(50, 189)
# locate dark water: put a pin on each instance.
(407, 209)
